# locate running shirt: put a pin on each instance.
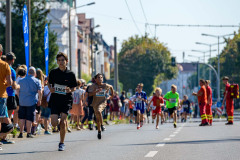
(140, 103)
(157, 101)
(186, 104)
(173, 99)
(209, 93)
(203, 97)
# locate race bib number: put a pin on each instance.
(154, 107)
(185, 106)
(138, 100)
(101, 93)
(172, 100)
(60, 89)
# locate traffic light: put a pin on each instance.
(173, 61)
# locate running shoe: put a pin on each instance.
(141, 124)
(69, 130)
(175, 125)
(229, 123)
(103, 128)
(99, 135)
(161, 122)
(29, 135)
(7, 141)
(153, 121)
(78, 128)
(148, 120)
(156, 127)
(61, 147)
(20, 135)
(138, 126)
(47, 133)
(106, 122)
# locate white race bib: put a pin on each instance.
(185, 106)
(60, 89)
(101, 93)
(172, 100)
(154, 107)
(138, 100)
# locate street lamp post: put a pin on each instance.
(218, 37)
(69, 31)
(92, 56)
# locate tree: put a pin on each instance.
(144, 60)
(38, 21)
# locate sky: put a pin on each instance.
(106, 13)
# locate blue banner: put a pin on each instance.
(46, 47)
(26, 34)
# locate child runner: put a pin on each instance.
(157, 104)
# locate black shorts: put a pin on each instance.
(148, 113)
(17, 100)
(135, 113)
(38, 109)
(131, 111)
(171, 110)
(11, 103)
(59, 105)
(5, 128)
(27, 112)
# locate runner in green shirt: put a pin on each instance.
(172, 101)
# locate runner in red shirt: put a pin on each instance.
(209, 102)
(157, 104)
(202, 100)
(229, 101)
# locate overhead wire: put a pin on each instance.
(133, 18)
(140, 1)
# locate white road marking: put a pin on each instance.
(175, 132)
(172, 135)
(160, 145)
(151, 154)
(167, 139)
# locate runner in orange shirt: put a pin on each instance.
(202, 100)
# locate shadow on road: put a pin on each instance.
(188, 142)
(32, 152)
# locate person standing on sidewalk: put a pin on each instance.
(61, 82)
(30, 95)
(209, 102)
(5, 81)
(202, 102)
(229, 101)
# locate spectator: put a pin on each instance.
(122, 98)
(29, 96)
(3, 58)
(116, 106)
(5, 81)
(11, 100)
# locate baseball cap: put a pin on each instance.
(10, 56)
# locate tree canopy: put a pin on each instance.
(38, 20)
(144, 60)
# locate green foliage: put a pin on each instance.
(86, 77)
(144, 60)
(38, 21)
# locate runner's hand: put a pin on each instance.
(52, 90)
(39, 103)
(68, 90)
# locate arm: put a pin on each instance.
(224, 99)
(52, 90)
(9, 81)
(111, 89)
(69, 90)
(209, 99)
(85, 98)
(15, 85)
(39, 97)
(149, 104)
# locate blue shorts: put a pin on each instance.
(3, 108)
(45, 112)
(123, 109)
(142, 110)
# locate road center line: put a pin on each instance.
(160, 145)
(167, 139)
(151, 154)
(172, 135)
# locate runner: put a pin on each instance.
(229, 101)
(141, 99)
(99, 90)
(186, 108)
(202, 101)
(172, 98)
(209, 102)
(157, 105)
(62, 82)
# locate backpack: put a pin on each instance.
(234, 91)
(44, 102)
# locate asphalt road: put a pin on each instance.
(187, 142)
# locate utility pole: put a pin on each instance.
(92, 64)
(115, 65)
(8, 31)
(69, 35)
(29, 31)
